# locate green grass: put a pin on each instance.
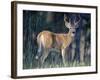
(29, 62)
(71, 64)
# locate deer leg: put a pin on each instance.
(63, 56)
(44, 56)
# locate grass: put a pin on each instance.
(71, 64)
(51, 62)
(60, 65)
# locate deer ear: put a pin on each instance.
(67, 21)
(65, 18)
(67, 25)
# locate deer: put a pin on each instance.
(47, 40)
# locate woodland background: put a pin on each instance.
(78, 53)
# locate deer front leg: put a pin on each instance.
(63, 56)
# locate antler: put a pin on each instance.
(76, 22)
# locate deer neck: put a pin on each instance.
(67, 39)
(69, 36)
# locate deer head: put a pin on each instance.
(72, 24)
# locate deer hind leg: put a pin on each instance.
(39, 51)
(43, 57)
(63, 56)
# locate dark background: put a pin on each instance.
(79, 52)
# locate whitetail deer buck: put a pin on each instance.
(47, 40)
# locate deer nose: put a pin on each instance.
(73, 32)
